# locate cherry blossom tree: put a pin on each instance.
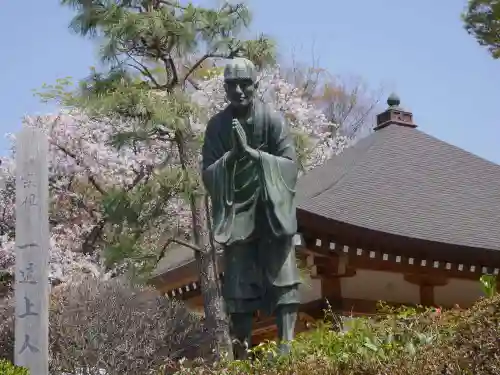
(87, 171)
(152, 50)
(73, 207)
(124, 178)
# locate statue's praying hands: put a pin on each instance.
(240, 143)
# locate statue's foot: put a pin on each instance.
(240, 349)
(284, 349)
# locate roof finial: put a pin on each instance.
(394, 114)
(393, 100)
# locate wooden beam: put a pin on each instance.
(311, 224)
(326, 259)
(426, 283)
(427, 295)
(380, 261)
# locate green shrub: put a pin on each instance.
(7, 368)
(405, 341)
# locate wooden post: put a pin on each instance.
(32, 250)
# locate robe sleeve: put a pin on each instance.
(279, 172)
(218, 178)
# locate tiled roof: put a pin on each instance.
(402, 181)
(175, 256)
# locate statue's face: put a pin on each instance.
(240, 92)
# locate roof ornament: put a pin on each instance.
(394, 115)
(393, 100)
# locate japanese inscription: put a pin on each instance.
(28, 181)
(28, 312)
(26, 345)
(28, 245)
(27, 274)
(30, 197)
(30, 200)
(32, 246)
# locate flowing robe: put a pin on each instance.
(254, 209)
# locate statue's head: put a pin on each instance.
(240, 82)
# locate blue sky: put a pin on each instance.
(417, 48)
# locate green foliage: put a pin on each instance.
(397, 341)
(153, 52)
(133, 213)
(7, 368)
(117, 93)
(261, 51)
(163, 30)
(61, 92)
(489, 285)
(398, 332)
(482, 20)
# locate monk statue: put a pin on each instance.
(250, 171)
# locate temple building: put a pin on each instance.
(400, 217)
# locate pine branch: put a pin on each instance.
(172, 4)
(177, 241)
(194, 83)
(188, 244)
(139, 176)
(169, 64)
(197, 64)
(143, 69)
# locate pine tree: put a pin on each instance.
(153, 51)
(482, 20)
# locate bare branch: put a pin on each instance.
(193, 83)
(113, 327)
(188, 244)
(92, 237)
(213, 247)
(143, 173)
(177, 241)
(91, 178)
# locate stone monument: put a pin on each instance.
(250, 171)
(32, 252)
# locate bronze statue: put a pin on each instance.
(250, 171)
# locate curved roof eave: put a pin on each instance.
(324, 228)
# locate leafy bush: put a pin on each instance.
(7, 368)
(112, 326)
(398, 342)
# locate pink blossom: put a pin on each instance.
(83, 165)
(304, 117)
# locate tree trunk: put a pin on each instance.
(215, 314)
